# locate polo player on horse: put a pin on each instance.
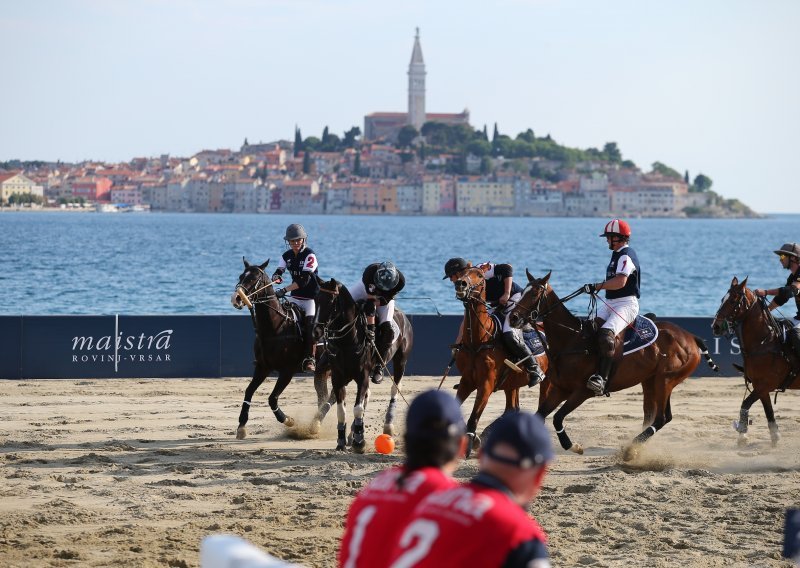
(789, 255)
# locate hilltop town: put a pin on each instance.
(405, 163)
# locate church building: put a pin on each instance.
(387, 125)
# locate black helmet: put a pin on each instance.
(790, 249)
(295, 231)
(454, 266)
(387, 276)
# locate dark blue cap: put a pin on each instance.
(434, 413)
(526, 434)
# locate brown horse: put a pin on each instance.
(481, 356)
(659, 367)
(766, 365)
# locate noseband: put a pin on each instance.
(738, 313)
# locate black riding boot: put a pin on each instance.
(516, 345)
(383, 344)
(309, 345)
(794, 339)
(606, 346)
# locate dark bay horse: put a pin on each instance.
(278, 344)
(352, 357)
(659, 367)
(481, 356)
(766, 365)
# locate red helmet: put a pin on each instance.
(617, 227)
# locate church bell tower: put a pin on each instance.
(416, 86)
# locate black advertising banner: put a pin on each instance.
(56, 347)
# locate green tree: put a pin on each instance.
(496, 133)
(311, 143)
(325, 135)
(628, 164)
(485, 134)
(686, 177)
(479, 147)
(406, 136)
(351, 137)
(702, 182)
(612, 153)
(486, 165)
(527, 136)
(298, 142)
(307, 162)
(666, 171)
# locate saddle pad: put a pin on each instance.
(532, 339)
(646, 333)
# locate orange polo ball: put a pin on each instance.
(384, 444)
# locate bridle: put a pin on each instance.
(473, 295)
(537, 311)
(737, 313)
(258, 295)
(329, 334)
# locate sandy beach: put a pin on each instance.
(137, 472)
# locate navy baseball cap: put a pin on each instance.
(434, 413)
(526, 434)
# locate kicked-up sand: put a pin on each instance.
(126, 472)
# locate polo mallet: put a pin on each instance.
(449, 366)
(515, 366)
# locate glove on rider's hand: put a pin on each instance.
(280, 293)
(590, 288)
(370, 333)
(276, 277)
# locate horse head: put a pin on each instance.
(735, 304)
(471, 285)
(253, 284)
(529, 306)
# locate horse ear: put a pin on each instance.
(530, 276)
(744, 282)
(734, 282)
(246, 264)
(263, 266)
(546, 279)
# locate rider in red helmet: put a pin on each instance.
(622, 299)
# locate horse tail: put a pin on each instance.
(704, 351)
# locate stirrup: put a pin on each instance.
(597, 385)
(535, 377)
(309, 364)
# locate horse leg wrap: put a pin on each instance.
(279, 415)
(563, 439)
(341, 442)
(244, 414)
(646, 435)
(358, 433)
(390, 411)
(774, 435)
(744, 418)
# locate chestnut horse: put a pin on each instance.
(278, 345)
(766, 365)
(481, 355)
(659, 367)
(352, 356)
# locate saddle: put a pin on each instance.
(643, 333)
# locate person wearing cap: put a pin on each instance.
(302, 264)
(434, 442)
(484, 522)
(380, 283)
(789, 255)
(502, 294)
(619, 310)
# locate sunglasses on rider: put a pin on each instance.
(782, 256)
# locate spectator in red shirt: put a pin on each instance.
(484, 522)
(434, 442)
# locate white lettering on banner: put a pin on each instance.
(735, 348)
(105, 350)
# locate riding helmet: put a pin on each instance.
(387, 276)
(617, 227)
(295, 231)
(454, 266)
(789, 249)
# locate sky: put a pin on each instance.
(706, 86)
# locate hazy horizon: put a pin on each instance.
(704, 87)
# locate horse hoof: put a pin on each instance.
(241, 433)
(631, 452)
(358, 447)
(289, 422)
(340, 447)
(316, 424)
(742, 441)
(388, 429)
(577, 448)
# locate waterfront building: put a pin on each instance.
(475, 196)
(16, 183)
